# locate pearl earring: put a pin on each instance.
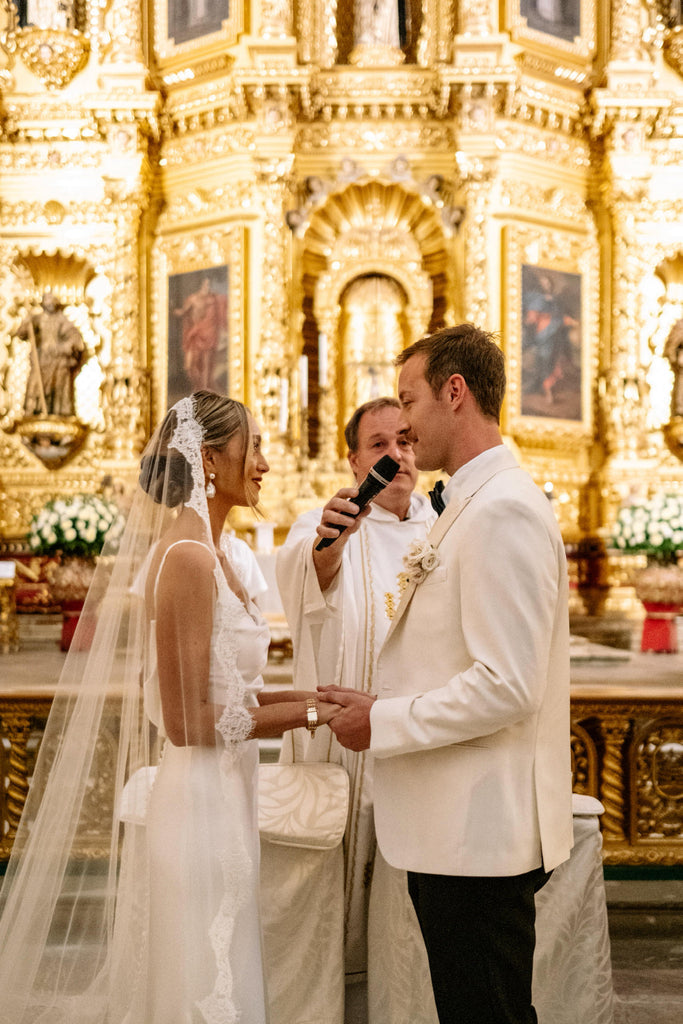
(211, 487)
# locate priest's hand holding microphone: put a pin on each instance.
(342, 516)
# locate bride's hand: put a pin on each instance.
(326, 712)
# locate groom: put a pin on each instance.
(470, 733)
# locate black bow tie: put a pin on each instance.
(435, 496)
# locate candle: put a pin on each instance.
(322, 360)
(303, 381)
(284, 405)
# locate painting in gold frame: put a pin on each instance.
(197, 332)
(564, 26)
(183, 27)
(550, 331)
(188, 20)
(551, 343)
(213, 261)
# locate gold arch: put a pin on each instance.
(369, 228)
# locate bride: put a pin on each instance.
(131, 894)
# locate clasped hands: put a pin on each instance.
(350, 719)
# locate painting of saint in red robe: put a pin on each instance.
(198, 332)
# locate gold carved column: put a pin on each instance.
(126, 388)
(615, 732)
(274, 360)
(625, 391)
(478, 177)
(18, 719)
(626, 30)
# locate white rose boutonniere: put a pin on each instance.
(421, 559)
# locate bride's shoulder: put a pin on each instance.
(187, 556)
(187, 551)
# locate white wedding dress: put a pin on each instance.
(200, 962)
(131, 895)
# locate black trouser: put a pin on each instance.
(480, 936)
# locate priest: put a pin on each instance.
(339, 602)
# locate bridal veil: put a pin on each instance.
(76, 901)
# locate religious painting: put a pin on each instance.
(197, 332)
(560, 18)
(551, 343)
(198, 336)
(192, 19)
(550, 331)
(189, 29)
(557, 30)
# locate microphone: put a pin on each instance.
(381, 474)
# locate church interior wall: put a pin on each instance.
(317, 174)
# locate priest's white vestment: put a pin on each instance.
(336, 637)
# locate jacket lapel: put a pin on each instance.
(441, 528)
(434, 537)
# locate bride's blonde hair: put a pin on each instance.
(165, 473)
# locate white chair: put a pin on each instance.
(572, 965)
(572, 981)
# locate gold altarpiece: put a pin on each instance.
(343, 191)
(333, 172)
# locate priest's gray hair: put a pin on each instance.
(353, 426)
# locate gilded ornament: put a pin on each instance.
(658, 779)
(54, 56)
(673, 48)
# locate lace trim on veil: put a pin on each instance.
(235, 726)
(235, 723)
(238, 869)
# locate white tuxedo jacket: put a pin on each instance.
(471, 731)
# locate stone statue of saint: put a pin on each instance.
(376, 23)
(50, 14)
(673, 351)
(57, 354)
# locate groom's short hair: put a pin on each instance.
(469, 351)
(352, 428)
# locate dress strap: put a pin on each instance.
(184, 540)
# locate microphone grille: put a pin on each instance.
(387, 468)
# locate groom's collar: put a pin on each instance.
(469, 478)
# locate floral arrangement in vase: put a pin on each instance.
(75, 527)
(653, 528)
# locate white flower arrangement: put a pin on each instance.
(653, 527)
(75, 526)
(420, 559)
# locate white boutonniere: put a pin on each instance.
(421, 559)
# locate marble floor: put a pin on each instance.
(646, 935)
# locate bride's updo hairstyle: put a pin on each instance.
(165, 473)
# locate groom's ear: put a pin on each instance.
(455, 389)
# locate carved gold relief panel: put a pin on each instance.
(584, 761)
(657, 783)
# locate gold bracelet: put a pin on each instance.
(311, 716)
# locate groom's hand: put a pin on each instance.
(351, 725)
